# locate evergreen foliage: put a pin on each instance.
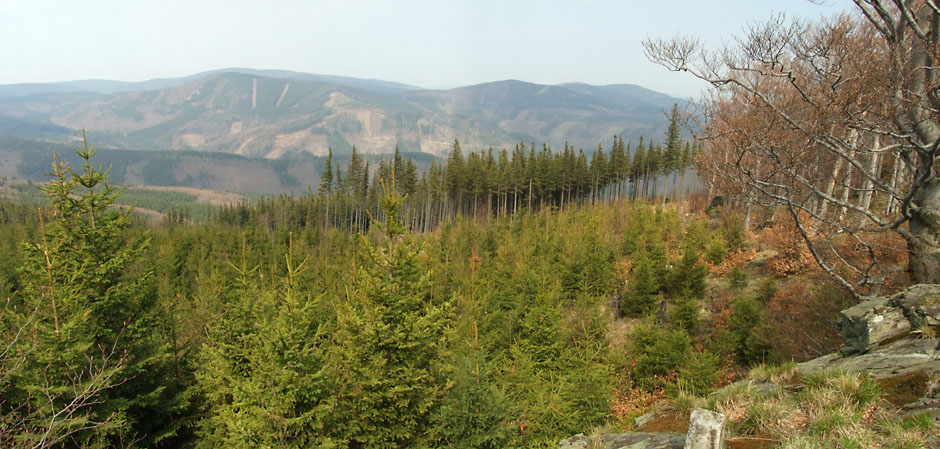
(687, 277)
(659, 353)
(474, 412)
(747, 333)
(478, 184)
(261, 372)
(87, 365)
(700, 372)
(386, 360)
(326, 178)
(471, 312)
(644, 287)
(685, 313)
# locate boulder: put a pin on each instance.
(870, 323)
(579, 441)
(706, 430)
(923, 406)
(643, 420)
(875, 322)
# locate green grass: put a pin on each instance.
(777, 374)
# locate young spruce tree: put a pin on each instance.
(89, 366)
(387, 358)
(261, 373)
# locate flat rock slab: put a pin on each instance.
(900, 358)
(920, 303)
(644, 441)
(634, 440)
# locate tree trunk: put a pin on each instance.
(443, 208)
(889, 209)
(846, 187)
(681, 185)
(427, 214)
(665, 189)
(874, 163)
(824, 204)
(326, 219)
(529, 210)
(747, 216)
(924, 243)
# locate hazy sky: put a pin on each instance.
(427, 43)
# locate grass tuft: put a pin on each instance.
(833, 409)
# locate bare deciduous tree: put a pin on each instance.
(838, 121)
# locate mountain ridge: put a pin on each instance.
(278, 113)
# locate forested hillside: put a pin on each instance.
(29, 160)
(512, 319)
(279, 114)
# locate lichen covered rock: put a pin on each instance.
(868, 324)
(706, 430)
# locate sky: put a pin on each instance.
(426, 43)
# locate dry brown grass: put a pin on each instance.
(618, 332)
(831, 409)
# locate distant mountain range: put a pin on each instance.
(280, 114)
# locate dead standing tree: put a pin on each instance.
(838, 121)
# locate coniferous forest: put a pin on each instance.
(473, 305)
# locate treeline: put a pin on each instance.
(481, 184)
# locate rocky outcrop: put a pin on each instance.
(899, 358)
(889, 337)
(867, 324)
(706, 431)
(880, 321)
(893, 339)
(920, 305)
